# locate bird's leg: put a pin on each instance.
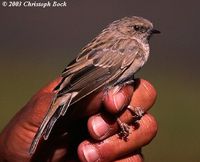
(129, 82)
(105, 91)
(124, 132)
(118, 87)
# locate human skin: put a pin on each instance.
(96, 139)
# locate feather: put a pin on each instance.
(58, 107)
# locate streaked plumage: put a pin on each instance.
(110, 59)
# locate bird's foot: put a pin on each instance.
(124, 132)
(137, 111)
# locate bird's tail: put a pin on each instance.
(58, 108)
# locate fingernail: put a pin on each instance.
(119, 100)
(90, 153)
(149, 89)
(100, 127)
(146, 85)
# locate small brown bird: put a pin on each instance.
(111, 59)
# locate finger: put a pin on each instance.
(115, 102)
(103, 125)
(144, 93)
(134, 157)
(113, 147)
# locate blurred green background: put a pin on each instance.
(36, 44)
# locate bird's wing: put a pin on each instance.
(96, 69)
(91, 73)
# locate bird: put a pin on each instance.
(110, 60)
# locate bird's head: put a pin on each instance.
(134, 27)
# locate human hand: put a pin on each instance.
(17, 136)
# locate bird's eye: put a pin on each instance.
(136, 27)
(139, 28)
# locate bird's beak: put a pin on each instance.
(154, 31)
